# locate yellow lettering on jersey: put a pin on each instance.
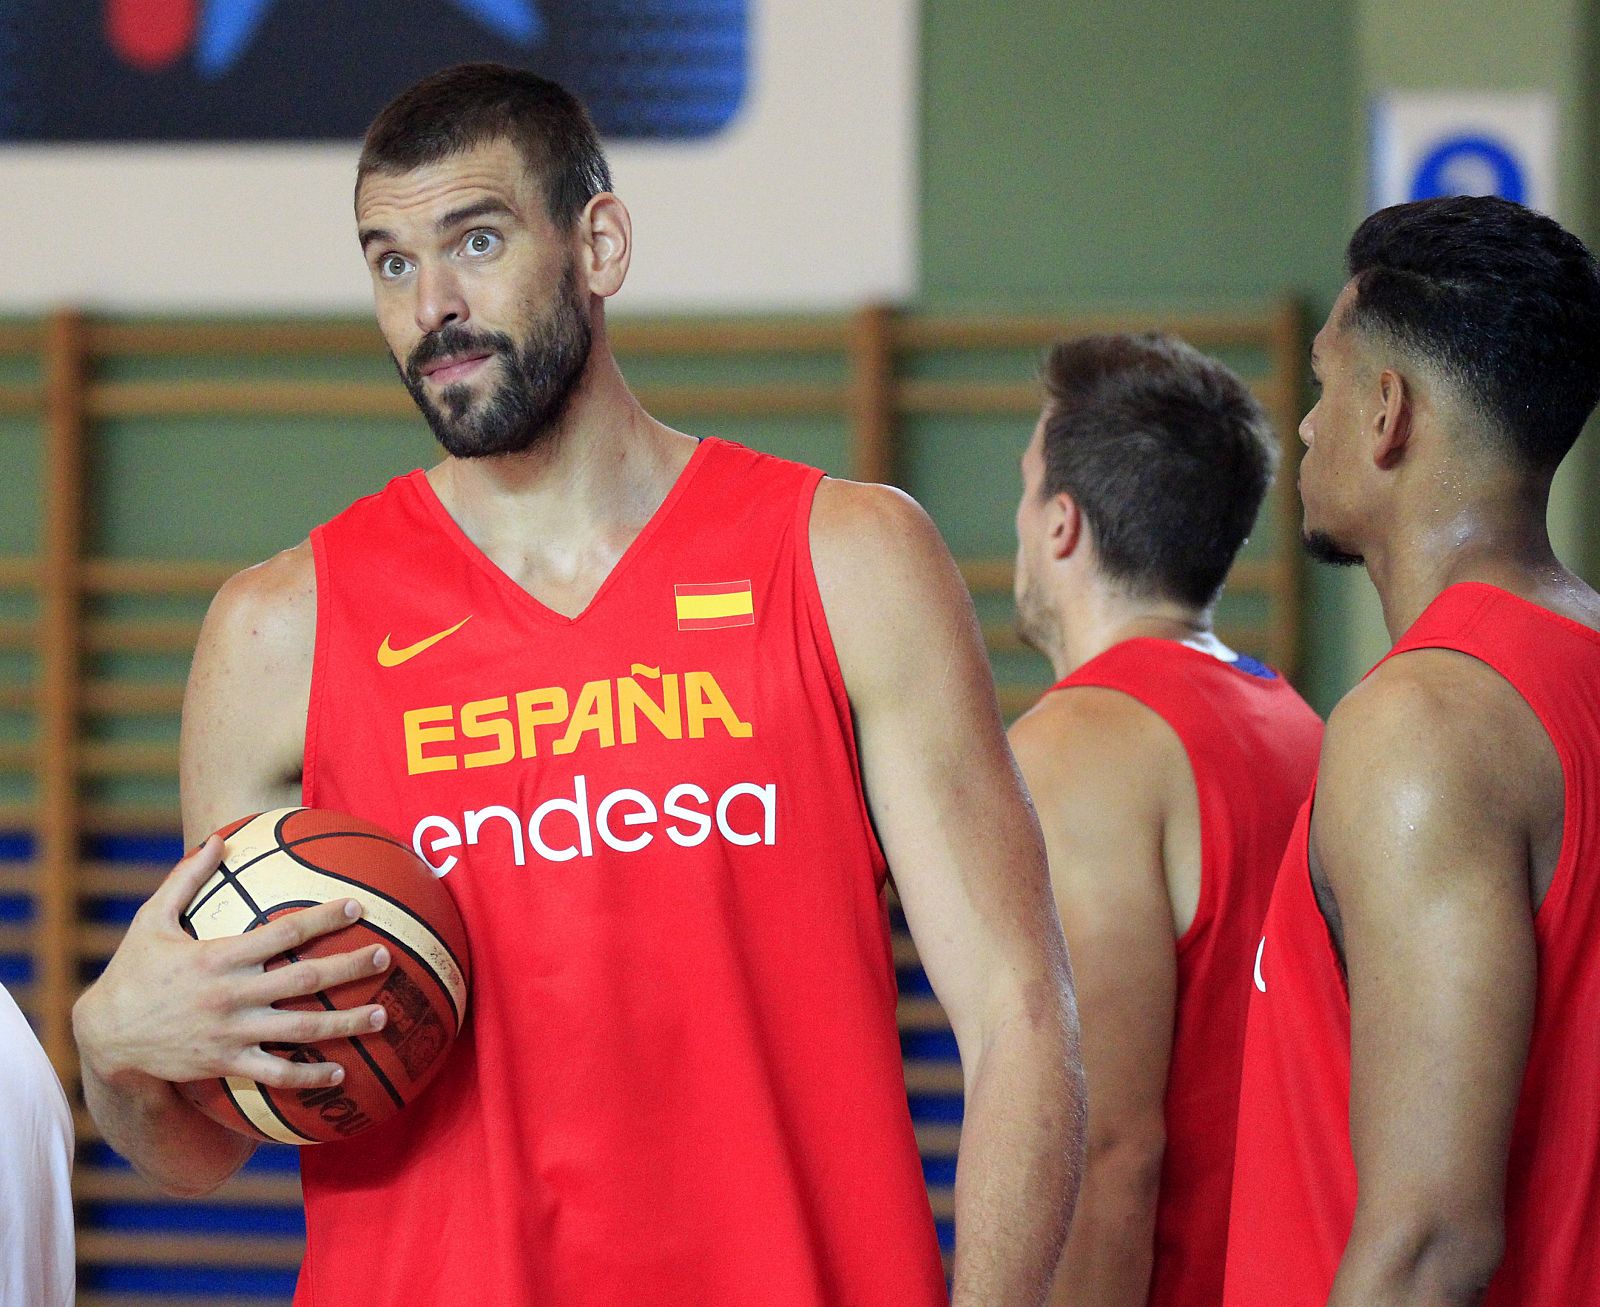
(706, 701)
(602, 715)
(536, 708)
(592, 713)
(425, 726)
(478, 724)
(633, 699)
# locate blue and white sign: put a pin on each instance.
(1432, 143)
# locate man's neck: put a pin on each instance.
(1499, 541)
(1104, 620)
(572, 504)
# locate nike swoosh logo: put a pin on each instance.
(1260, 949)
(388, 657)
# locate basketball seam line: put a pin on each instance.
(230, 877)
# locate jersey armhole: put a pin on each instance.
(1565, 872)
(319, 657)
(1205, 903)
(811, 597)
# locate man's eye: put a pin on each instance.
(481, 242)
(391, 266)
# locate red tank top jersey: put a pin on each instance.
(680, 1079)
(1252, 746)
(1294, 1191)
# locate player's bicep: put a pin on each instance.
(941, 783)
(244, 707)
(1417, 837)
(1089, 764)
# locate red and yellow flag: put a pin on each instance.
(704, 607)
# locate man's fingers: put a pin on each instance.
(294, 928)
(278, 1027)
(281, 1073)
(310, 975)
(183, 882)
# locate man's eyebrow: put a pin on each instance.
(372, 235)
(467, 212)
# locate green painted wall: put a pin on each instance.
(1141, 152)
(1147, 153)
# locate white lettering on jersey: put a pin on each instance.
(1260, 949)
(626, 820)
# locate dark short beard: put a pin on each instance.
(1325, 549)
(527, 406)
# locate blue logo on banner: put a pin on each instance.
(227, 27)
(1470, 165)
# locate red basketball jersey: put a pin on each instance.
(1294, 1191)
(1252, 745)
(680, 1079)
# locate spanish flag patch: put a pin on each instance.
(710, 607)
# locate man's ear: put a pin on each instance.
(1393, 418)
(607, 232)
(1063, 525)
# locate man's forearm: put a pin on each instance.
(1021, 1159)
(168, 1141)
(1111, 1248)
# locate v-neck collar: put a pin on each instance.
(434, 507)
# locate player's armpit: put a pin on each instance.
(967, 858)
(1420, 829)
(1103, 769)
(244, 710)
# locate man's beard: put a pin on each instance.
(524, 408)
(1033, 623)
(1325, 549)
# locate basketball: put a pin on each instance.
(293, 858)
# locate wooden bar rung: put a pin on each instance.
(156, 576)
(1208, 330)
(921, 1014)
(938, 1139)
(141, 635)
(132, 698)
(20, 400)
(933, 1076)
(143, 1248)
(19, 573)
(246, 1189)
(127, 759)
(121, 879)
(166, 1300)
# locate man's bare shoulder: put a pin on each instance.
(890, 589)
(1095, 748)
(865, 533)
(272, 605)
(1435, 749)
(1427, 708)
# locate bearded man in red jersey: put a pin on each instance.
(1167, 771)
(1417, 1121)
(663, 712)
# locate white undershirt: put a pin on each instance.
(36, 1251)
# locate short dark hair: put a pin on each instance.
(472, 104)
(1166, 453)
(1503, 300)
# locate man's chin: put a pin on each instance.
(1325, 549)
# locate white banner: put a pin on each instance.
(806, 201)
(1429, 143)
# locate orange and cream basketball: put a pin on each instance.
(294, 858)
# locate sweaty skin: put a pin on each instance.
(468, 242)
(1437, 823)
